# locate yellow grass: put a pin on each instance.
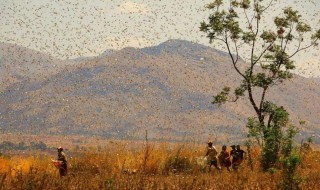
(127, 167)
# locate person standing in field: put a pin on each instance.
(240, 153)
(233, 150)
(212, 156)
(233, 154)
(239, 156)
(62, 158)
(224, 158)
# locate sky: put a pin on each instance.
(68, 29)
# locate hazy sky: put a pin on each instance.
(73, 28)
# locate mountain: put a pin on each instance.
(316, 79)
(18, 63)
(165, 89)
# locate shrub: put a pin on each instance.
(177, 164)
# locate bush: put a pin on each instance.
(290, 161)
(177, 164)
(38, 145)
(7, 145)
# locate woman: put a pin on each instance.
(62, 158)
(224, 158)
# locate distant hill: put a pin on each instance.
(165, 89)
(19, 63)
(316, 79)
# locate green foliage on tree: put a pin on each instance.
(290, 161)
(268, 64)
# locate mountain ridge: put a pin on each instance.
(129, 91)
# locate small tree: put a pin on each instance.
(269, 62)
(290, 161)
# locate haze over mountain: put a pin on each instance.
(165, 89)
(18, 64)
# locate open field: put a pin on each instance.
(123, 165)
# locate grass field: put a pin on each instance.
(156, 166)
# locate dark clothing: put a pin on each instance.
(240, 154)
(63, 168)
(234, 156)
(62, 157)
(237, 158)
(237, 155)
(224, 159)
(214, 163)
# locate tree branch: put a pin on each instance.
(253, 103)
(285, 46)
(249, 22)
(233, 61)
(262, 98)
(298, 50)
(253, 48)
(236, 47)
(237, 97)
(270, 119)
(220, 40)
(262, 53)
(267, 7)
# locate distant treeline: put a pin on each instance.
(7, 145)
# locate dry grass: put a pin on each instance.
(123, 166)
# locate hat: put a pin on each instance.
(60, 148)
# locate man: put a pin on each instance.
(224, 158)
(240, 152)
(233, 153)
(62, 158)
(212, 156)
(239, 156)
